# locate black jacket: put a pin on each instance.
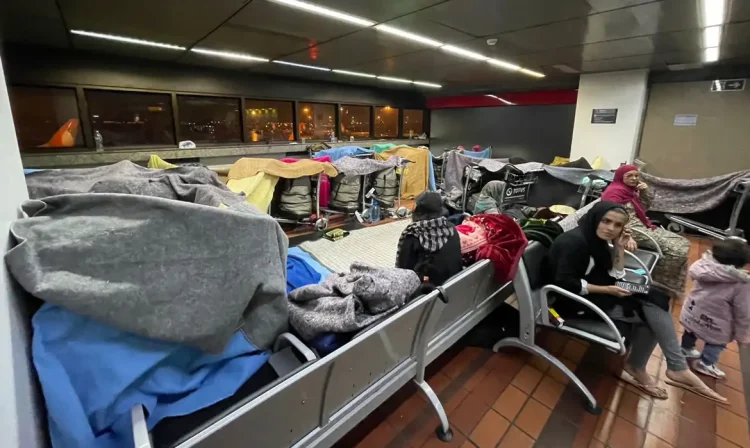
(438, 266)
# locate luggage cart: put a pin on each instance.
(397, 210)
(362, 203)
(678, 224)
(518, 184)
(589, 192)
(316, 220)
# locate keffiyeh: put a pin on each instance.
(431, 233)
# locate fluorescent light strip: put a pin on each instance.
(309, 7)
(714, 12)
(526, 71)
(428, 84)
(407, 35)
(128, 40)
(347, 72)
(465, 53)
(503, 64)
(500, 99)
(313, 67)
(711, 54)
(712, 37)
(401, 80)
(228, 55)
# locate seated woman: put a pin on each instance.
(628, 191)
(490, 197)
(582, 262)
(430, 245)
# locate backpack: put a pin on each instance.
(295, 200)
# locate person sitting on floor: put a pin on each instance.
(430, 245)
(581, 262)
(490, 198)
(717, 311)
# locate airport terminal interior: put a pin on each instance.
(375, 223)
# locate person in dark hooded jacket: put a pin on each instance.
(430, 245)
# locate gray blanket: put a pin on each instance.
(166, 269)
(355, 166)
(345, 303)
(575, 175)
(692, 195)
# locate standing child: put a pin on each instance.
(718, 309)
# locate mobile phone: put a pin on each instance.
(635, 288)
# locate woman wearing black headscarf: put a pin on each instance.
(582, 262)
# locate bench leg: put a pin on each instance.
(443, 431)
(591, 405)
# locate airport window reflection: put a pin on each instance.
(205, 119)
(386, 122)
(355, 122)
(269, 121)
(131, 118)
(45, 118)
(413, 122)
(316, 121)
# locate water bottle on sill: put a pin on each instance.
(99, 141)
(374, 212)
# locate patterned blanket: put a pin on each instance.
(692, 195)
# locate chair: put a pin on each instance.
(533, 304)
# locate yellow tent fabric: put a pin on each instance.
(248, 167)
(158, 163)
(258, 189)
(560, 161)
(597, 163)
(416, 177)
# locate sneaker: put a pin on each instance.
(690, 353)
(709, 370)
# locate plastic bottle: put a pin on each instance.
(99, 140)
(374, 212)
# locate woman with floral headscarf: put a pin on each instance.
(629, 191)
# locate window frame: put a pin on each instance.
(370, 110)
(246, 134)
(398, 121)
(425, 128)
(176, 112)
(336, 117)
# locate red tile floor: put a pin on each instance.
(513, 400)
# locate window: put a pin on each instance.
(131, 118)
(355, 122)
(45, 117)
(386, 122)
(269, 120)
(316, 121)
(413, 122)
(208, 119)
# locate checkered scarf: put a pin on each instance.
(432, 234)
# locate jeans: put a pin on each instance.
(711, 352)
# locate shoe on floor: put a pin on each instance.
(709, 370)
(691, 353)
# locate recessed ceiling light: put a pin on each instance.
(228, 55)
(315, 9)
(465, 53)
(711, 54)
(711, 36)
(503, 64)
(428, 84)
(714, 12)
(313, 67)
(526, 71)
(407, 35)
(347, 72)
(128, 40)
(402, 80)
(501, 99)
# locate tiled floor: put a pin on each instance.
(513, 400)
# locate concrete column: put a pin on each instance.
(20, 420)
(615, 142)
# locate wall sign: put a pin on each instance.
(604, 116)
(685, 120)
(728, 85)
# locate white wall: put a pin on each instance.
(615, 143)
(20, 419)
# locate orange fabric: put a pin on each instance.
(65, 137)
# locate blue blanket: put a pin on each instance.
(343, 151)
(312, 262)
(92, 375)
(299, 273)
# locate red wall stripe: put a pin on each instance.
(544, 97)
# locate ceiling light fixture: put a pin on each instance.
(714, 12)
(500, 99)
(401, 80)
(228, 55)
(711, 37)
(526, 71)
(294, 64)
(347, 72)
(428, 84)
(503, 64)
(711, 54)
(128, 40)
(465, 53)
(407, 35)
(315, 9)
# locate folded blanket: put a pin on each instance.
(247, 167)
(416, 177)
(164, 269)
(692, 195)
(348, 302)
(353, 166)
(455, 163)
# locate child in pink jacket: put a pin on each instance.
(718, 309)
